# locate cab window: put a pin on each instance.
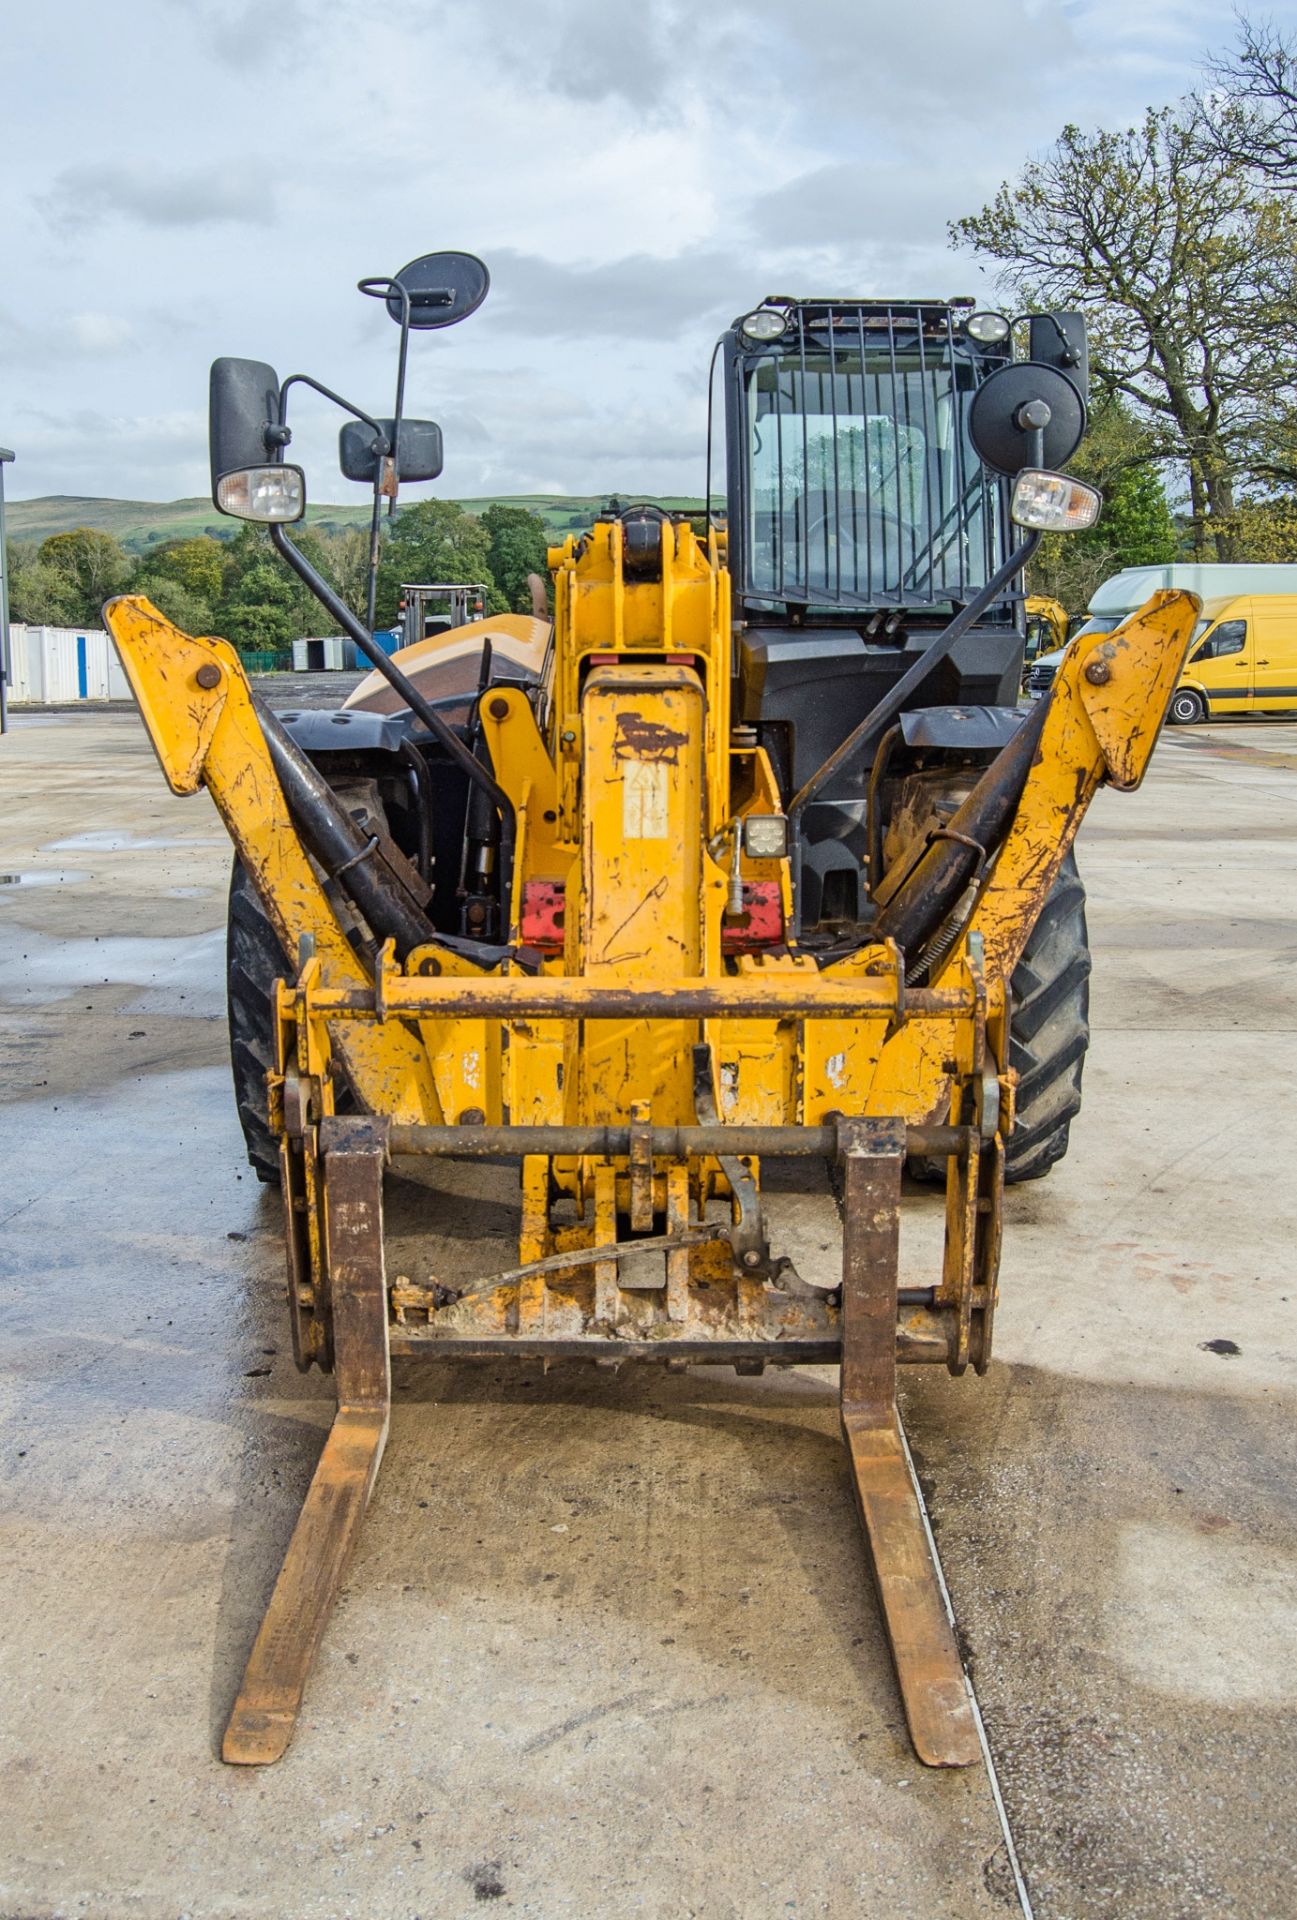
(1229, 637)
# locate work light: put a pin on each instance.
(1053, 503)
(988, 329)
(767, 323)
(263, 494)
(765, 836)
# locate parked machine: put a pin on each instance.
(430, 608)
(753, 856)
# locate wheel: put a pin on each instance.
(1050, 1029)
(254, 960)
(1187, 708)
(1049, 1032)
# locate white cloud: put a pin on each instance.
(635, 174)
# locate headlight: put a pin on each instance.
(765, 836)
(1053, 503)
(264, 494)
(988, 329)
(767, 323)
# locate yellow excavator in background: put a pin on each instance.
(1047, 624)
(745, 858)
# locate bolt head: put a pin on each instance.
(752, 1258)
(498, 709)
(208, 675)
(1097, 671)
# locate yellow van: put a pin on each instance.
(1243, 656)
(1243, 659)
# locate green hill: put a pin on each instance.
(140, 524)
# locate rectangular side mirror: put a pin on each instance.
(419, 456)
(244, 403)
(1060, 340)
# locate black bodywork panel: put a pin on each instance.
(805, 689)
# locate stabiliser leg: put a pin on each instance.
(354, 1152)
(934, 1691)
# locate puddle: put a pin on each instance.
(185, 976)
(43, 877)
(111, 841)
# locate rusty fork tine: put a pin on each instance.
(929, 1672)
(265, 1713)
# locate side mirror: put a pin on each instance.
(418, 454)
(1026, 415)
(245, 439)
(443, 287)
(1060, 340)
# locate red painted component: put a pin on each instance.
(543, 904)
(762, 920)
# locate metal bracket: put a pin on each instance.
(747, 1234)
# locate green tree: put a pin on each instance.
(517, 546)
(1184, 265)
(433, 541)
(262, 604)
(1135, 528)
(197, 565)
(91, 567)
(40, 595)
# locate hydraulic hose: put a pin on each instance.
(962, 848)
(343, 849)
(439, 728)
(896, 698)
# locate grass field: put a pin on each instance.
(140, 524)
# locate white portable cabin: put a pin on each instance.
(55, 666)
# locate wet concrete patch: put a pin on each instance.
(179, 976)
(1120, 1586)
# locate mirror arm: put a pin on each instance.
(893, 702)
(318, 386)
(380, 287)
(423, 710)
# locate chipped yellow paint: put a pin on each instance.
(631, 795)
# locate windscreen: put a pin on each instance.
(863, 488)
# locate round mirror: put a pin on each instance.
(443, 288)
(1005, 408)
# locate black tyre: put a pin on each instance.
(1050, 1029)
(1187, 708)
(254, 960)
(1048, 1035)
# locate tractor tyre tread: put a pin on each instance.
(1050, 1029)
(254, 962)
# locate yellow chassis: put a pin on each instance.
(640, 1073)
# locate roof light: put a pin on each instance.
(988, 329)
(766, 323)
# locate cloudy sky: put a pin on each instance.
(184, 178)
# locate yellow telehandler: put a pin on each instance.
(751, 855)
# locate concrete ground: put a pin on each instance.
(607, 1646)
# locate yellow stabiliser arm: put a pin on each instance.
(197, 706)
(1106, 710)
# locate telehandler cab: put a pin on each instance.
(751, 854)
